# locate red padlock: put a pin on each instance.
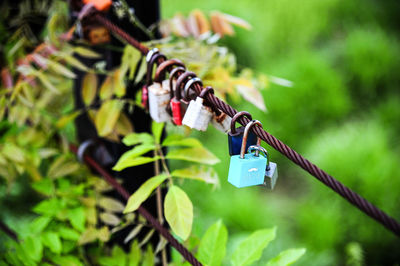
(176, 111)
(145, 97)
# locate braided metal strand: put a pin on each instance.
(153, 221)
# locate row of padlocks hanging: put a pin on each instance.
(172, 99)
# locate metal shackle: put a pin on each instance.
(174, 73)
(150, 64)
(236, 117)
(181, 80)
(259, 149)
(189, 85)
(166, 66)
(245, 135)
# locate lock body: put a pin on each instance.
(249, 171)
(145, 97)
(271, 175)
(159, 99)
(197, 115)
(235, 141)
(176, 111)
(222, 122)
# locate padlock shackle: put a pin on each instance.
(175, 72)
(182, 78)
(236, 117)
(189, 84)
(246, 134)
(150, 54)
(259, 149)
(150, 65)
(166, 66)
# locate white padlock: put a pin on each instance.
(159, 99)
(222, 122)
(198, 116)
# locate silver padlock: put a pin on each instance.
(158, 101)
(158, 93)
(197, 116)
(221, 122)
(271, 174)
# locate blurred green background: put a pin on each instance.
(343, 113)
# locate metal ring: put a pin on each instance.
(150, 54)
(236, 116)
(259, 149)
(246, 134)
(189, 84)
(206, 90)
(150, 64)
(172, 75)
(181, 79)
(83, 148)
(164, 66)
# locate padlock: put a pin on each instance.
(174, 106)
(158, 94)
(221, 121)
(198, 116)
(181, 84)
(235, 136)
(248, 169)
(271, 173)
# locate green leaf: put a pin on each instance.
(130, 162)
(109, 218)
(60, 69)
(111, 204)
(67, 260)
(107, 88)
(52, 241)
(39, 224)
(157, 129)
(144, 191)
(67, 119)
(136, 138)
(148, 258)
(200, 173)
(178, 211)
(44, 186)
(103, 234)
(46, 82)
(75, 63)
(68, 233)
(135, 254)
(287, 257)
(119, 83)
(250, 250)
(88, 236)
(178, 140)
(212, 246)
(48, 207)
(33, 248)
(198, 155)
(77, 218)
(107, 116)
(137, 151)
(85, 52)
(89, 88)
(13, 152)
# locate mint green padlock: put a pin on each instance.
(248, 169)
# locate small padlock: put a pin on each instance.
(158, 94)
(221, 121)
(174, 105)
(198, 116)
(271, 173)
(248, 169)
(235, 136)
